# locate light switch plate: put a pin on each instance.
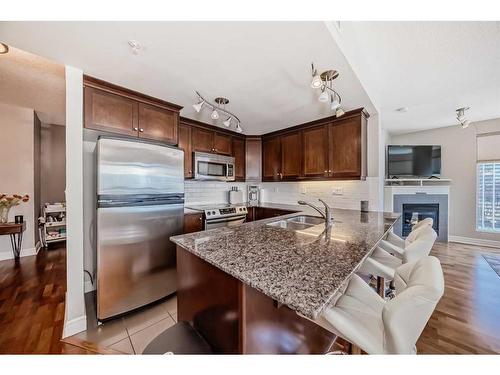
(338, 191)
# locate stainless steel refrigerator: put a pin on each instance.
(140, 204)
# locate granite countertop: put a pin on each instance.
(300, 269)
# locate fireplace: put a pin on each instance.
(423, 211)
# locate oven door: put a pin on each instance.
(225, 222)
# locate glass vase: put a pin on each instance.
(4, 214)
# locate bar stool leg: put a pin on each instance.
(381, 286)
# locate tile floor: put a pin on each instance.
(131, 333)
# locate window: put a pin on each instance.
(488, 196)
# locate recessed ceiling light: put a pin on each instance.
(402, 109)
(4, 48)
(135, 46)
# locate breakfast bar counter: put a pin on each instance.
(245, 288)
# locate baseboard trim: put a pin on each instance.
(74, 326)
(6, 255)
(474, 241)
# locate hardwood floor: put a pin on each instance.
(466, 320)
(32, 304)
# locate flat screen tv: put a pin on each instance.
(413, 161)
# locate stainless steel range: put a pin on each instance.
(225, 215)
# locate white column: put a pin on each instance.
(74, 318)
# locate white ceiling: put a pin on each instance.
(262, 67)
(31, 81)
(432, 68)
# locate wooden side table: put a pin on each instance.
(16, 236)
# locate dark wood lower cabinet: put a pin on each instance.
(193, 222)
(235, 318)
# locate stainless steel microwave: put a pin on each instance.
(213, 167)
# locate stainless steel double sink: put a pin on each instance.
(298, 223)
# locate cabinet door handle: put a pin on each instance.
(135, 129)
(141, 130)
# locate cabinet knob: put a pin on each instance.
(326, 171)
(135, 129)
(141, 130)
(329, 171)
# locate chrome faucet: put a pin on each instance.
(327, 215)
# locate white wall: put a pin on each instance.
(74, 318)
(458, 158)
(17, 171)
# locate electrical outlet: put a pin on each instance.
(338, 191)
(303, 190)
(276, 190)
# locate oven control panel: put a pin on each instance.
(225, 212)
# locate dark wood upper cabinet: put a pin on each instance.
(158, 123)
(348, 147)
(329, 148)
(291, 156)
(271, 159)
(253, 162)
(118, 110)
(239, 158)
(110, 112)
(222, 144)
(315, 152)
(203, 140)
(185, 144)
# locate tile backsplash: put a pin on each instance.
(340, 194)
(205, 192)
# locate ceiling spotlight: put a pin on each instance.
(238, 128)
(324, 97)
(334, 102)
(197, 106)
(227, 122)
(4, 48)
(462, 119)
(339, 112)
(316, 82)
(214, 115)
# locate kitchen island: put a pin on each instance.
(255, 288)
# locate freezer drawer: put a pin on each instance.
(136, 262)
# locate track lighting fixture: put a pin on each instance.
(324, 96)
(316, 82)
(324, 81)
(334, 102)
(227, 122)
(238, 128)
(462, 119)
(218, 107)
(197, 106)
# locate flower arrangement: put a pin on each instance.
(9, 201)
